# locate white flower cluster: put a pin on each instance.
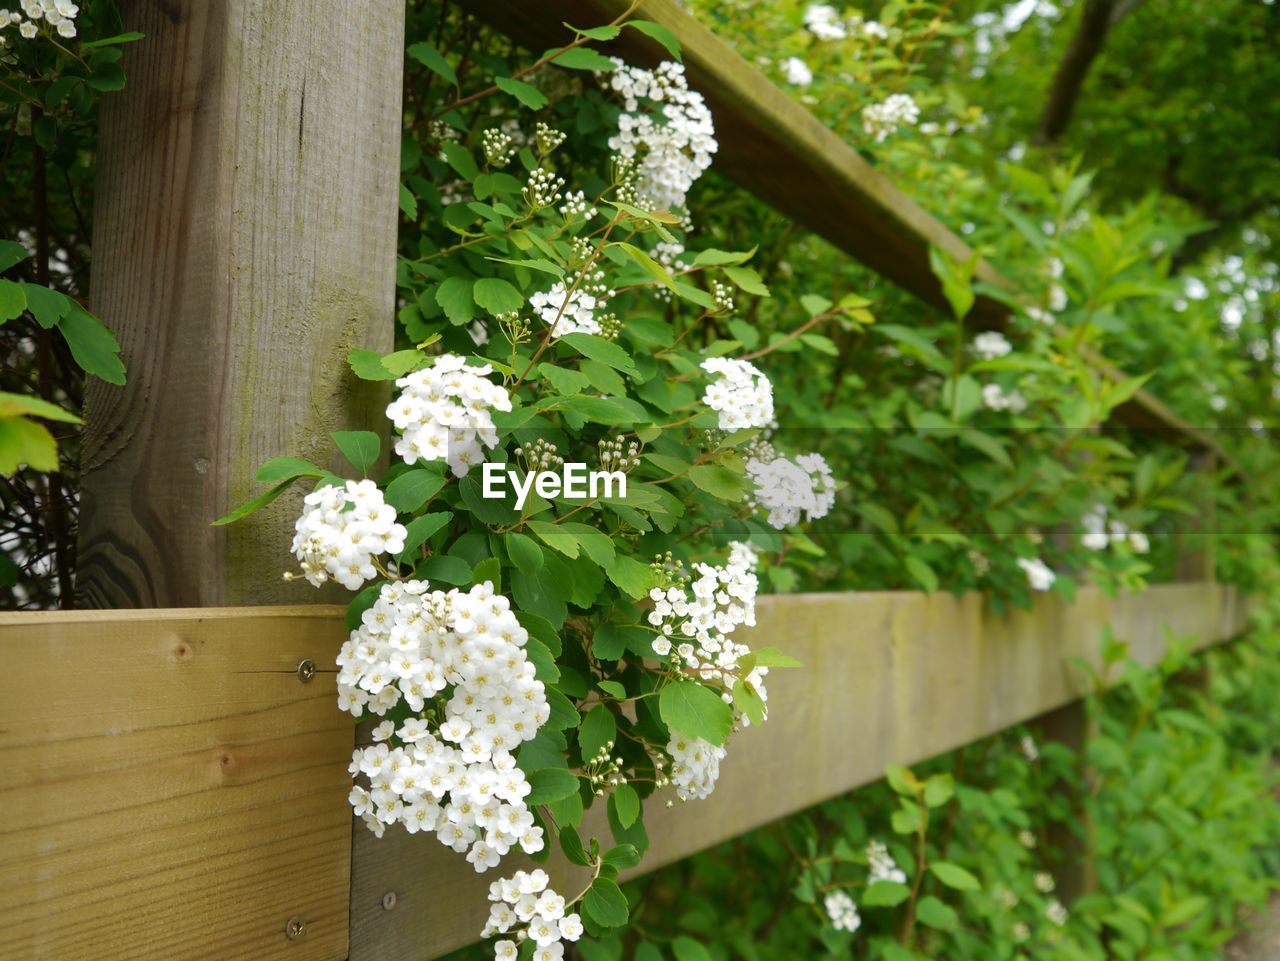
(1029, 749)
(995, 397)
(672, 151)
(797, 72)
(1056, 913)
(695, 767)
(1039, 575)
(566, 312)
(576, 205)
(341, 531)
(498, 147)
(543, 189)
(991, 344)
(59, 14)
(742, 395)
(823, 21)
(880, 120)
(525, 904)
(453, 771)
(1099, 533)
(445, 412)
(842, 911)
(882, 866)
(789, 489)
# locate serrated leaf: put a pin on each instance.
(445, 567)
(24, 441)
(11, 252)
(695, 711)
(93, 346)
(746, 700)
(632, 576)
(772, 657)
(454, 298)
(747, 279)
(47, 306)
(719, 481)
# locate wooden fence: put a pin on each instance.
(174, 788)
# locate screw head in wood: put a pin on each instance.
(306, 670)
(388, 901)
(295, 928)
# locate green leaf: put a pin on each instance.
(612, 411)
(420, 528)
(993, 447)
(624, 856)
(24, 441)
(107, 76)
(48, 306)
(922, 573)
(956, 280)
(92, 345)
(938, 790)
(551, 784)
(687, 949)
(746, 700)
(661, 34)
(446, 567)
(583, 58)
(747, 279)
(460, 159)
(605, 904)
(431, 58)
(612, 688)
(719, 481)
(954, 876)
(255, 504)
(370, 365)
(11, 252)
(454, 297)
(544, 592)
(632, 576)
(695, 711)
(283, 468)
(564, 380)
(902, 780)
(546, 266)
(772, 657)
(524, 553)
(408, 203)
(626, 805)
(596, 543)
(599, 730)
(496, 296)
(597, 348)
(360, 447)
(13, 300)
(555, 538)
(885, 894)
(119, 38)
(937, 915)
(526, 93)
(16, 405)
(611, 641)
(814, 304)
(412, 489)
(650, 266)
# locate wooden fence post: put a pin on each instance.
(244, 241)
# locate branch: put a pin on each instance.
(1098, 19)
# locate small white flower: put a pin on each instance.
(797, 72)
(1039, 575)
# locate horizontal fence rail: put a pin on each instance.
(771, 145)
(174, 788)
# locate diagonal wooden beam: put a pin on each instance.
(776, 149)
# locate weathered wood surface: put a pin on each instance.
(244, 241)
(170, 788)
(779, 151)
(888, 678)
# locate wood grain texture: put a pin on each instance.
(888, 678)
(244, 241)
(171, 791)
(779, 151)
